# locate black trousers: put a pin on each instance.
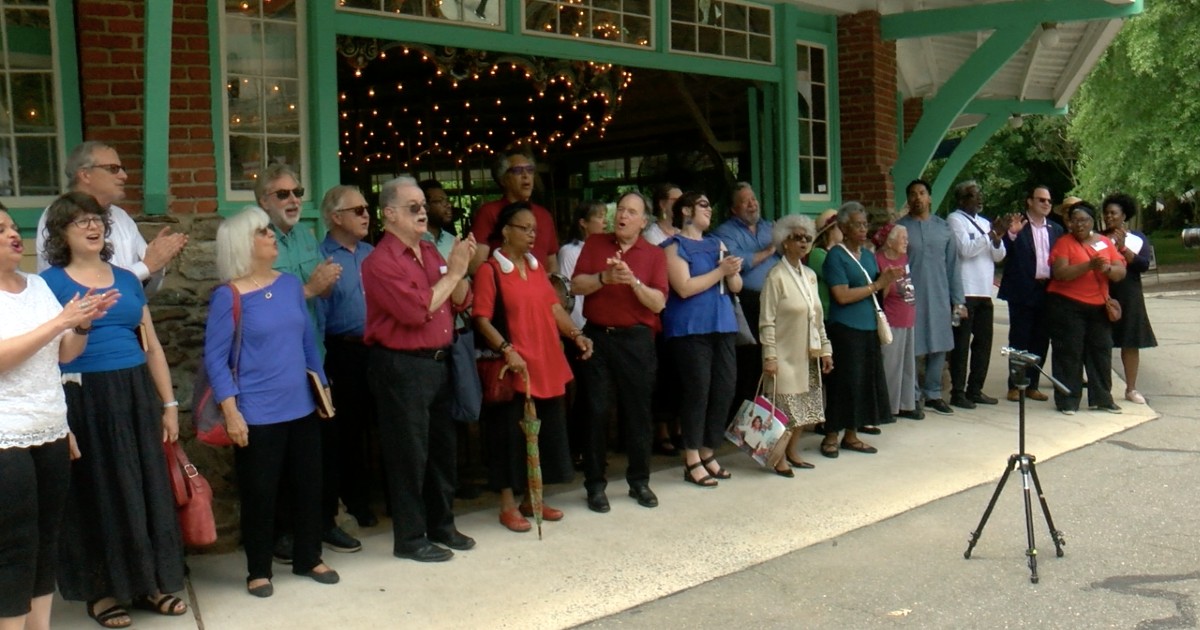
(33, 491)
(706, 363)
(345, 448)
(418, 440)
(622, 369)
(1027, 331)
(972, 344)
(288, 451)
(1082, 338)
(749, 358)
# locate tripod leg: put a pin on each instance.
(990, 506)
(1055, 533)
(1031, 551)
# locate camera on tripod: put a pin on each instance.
(1020, 356)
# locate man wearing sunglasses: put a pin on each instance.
(95, 168)
(514, 172)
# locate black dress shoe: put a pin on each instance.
(961, 400)
(911, 414)
(982, 399)
(938, 405)
(598, 502)
(336, 539)
(644, 495)
(427, 552)
(456, 540)
(328, 577)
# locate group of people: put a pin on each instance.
(657, 301)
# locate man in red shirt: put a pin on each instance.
(515, 173)
(625, 279)
(412, 294)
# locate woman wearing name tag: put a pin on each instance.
(1132, 332)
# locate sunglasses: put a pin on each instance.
(800, 238)
(282, 193)
(111, 168)
(703, 203)
(360, 211)
(84, 223)
(526, 169)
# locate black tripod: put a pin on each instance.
(1024, 462)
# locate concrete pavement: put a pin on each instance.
(592, 566)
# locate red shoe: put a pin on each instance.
(548, 513)
(513, 520)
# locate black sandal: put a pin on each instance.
(707, 481)
(105, 618)
(719, 473)
(167, 605)
(829, 449)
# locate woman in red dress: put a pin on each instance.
(518, 314)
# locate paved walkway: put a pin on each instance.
(592, 565)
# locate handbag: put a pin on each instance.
(882, 327)
(464, 379)
(494, 376)
(758, 427)
(745, 336)
(206, 412)
(1112, 307)
(193, 498)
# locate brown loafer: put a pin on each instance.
(548, 513)
(513, 520)
(1033, 394)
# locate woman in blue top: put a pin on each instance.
(699, 325)
(858, 394)
(269, 413)
(120, 539)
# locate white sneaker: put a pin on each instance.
(1134, 396)
(1067, 412)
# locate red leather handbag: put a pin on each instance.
(193, 498)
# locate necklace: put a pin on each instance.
(266, 293)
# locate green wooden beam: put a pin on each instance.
(953, 97)
(787, 112)
(325, 170)
(970, 145)
(156, 112)
(67, 61)
(219, 98)
(1000, 15)
(1012, 106)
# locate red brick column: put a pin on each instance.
(111, 47)
(913, 108)
(867, 100)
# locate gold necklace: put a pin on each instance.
(266, 293)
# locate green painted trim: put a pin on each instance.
(770, 155)
(26, 219)
(835, 129)
(452, 35)
(814, 22)
(1009, 107)
(899, 122)
(70, 100)
(156, 112)
(756, 135)
(999, 16)
(788, 112)
(970, 145)
(662, 27)
(325, 170)
(217, 94)
(941, 111)
(514, 16)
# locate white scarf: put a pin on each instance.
(814, 333)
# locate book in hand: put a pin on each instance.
(320, 396)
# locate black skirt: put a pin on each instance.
(1133, 329)
(857, 393)
(120, 535)
(505, 445)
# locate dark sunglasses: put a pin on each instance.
(282, 193)
(800, 238)
(357, 210)
(525, 169)
(111, 168)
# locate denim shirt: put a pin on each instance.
(740, 242)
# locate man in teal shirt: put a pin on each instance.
(441, 217)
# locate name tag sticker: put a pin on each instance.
(1099, 246)
(443, 269)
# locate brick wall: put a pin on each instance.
(112, 74)
(913, 108)
(867, 98)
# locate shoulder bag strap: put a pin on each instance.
(866, 275)
(970, 219)
(237, 329)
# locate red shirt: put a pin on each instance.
(615, 304)
(545, 244)
(529, 317)
(398, 289)
(1092, 286)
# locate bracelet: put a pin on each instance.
(574, 333)
(80, 330)
(168, 405)
(637, 282)
(600, 278)
(504, 347)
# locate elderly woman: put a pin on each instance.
(121, 408)
(899, 304)
(1082, 263)
(792, 313)
(1132, 332)
(699, 326)
(858, 390)
(519, 316)
(262, 387)
(36, 334)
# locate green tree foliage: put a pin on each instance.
(1136, 116)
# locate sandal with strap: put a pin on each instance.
(168, 605)
(719, 473)
(859, 446)
(707, 481)
(109, 617)
(829, 449)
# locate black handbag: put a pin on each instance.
(464, 379)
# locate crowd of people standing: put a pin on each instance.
(852, 325)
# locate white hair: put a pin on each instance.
(235, 242)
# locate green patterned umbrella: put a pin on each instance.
(533, 458)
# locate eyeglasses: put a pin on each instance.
(800, 238)
(262, 231)
(528, 229)
(84, 223)
(415, 207)
(857, 224)
(703, 203)
(357, 210)
(282, 193)
(111, 168)
(1042, 199)
(524, 169)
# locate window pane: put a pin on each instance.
(806, 177)
(282, 103)
(245, 104)
(29, 161)
(284, 151)
(465, 12)
(683, 10)
(710, 41)
(735, 17)
(38, 165)
(279, 50)
(683, 37)
(735, 44)
(243, 45)
(28, 34)
(820, 139)
(248, 8)
(821, 176)
(245, 161)
(818, 65)
(33, 101)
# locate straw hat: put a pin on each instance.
(1061, 209)
(826, 220)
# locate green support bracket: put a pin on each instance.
(953, 97)
(1000, 16)
(156, 121)
(325, 169)
(974, 140)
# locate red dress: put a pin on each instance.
(530, 320)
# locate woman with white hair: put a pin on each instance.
(899, 303)
(258, 367)
(792, 314)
